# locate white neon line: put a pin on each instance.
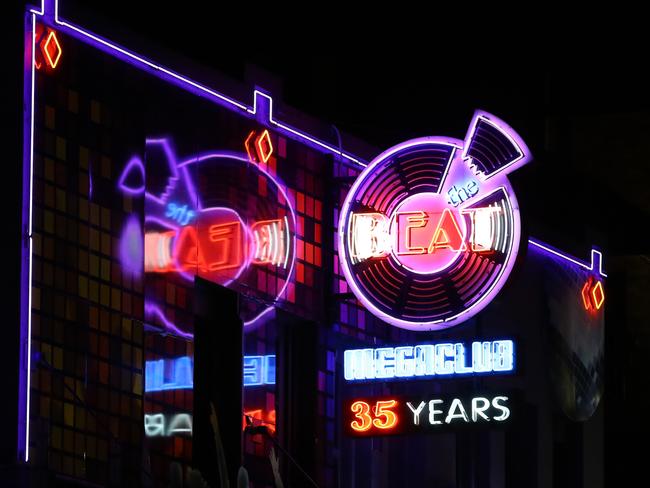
(568, 258)
(450, 161)
(29, 238)
(275, 260)
(286, 233)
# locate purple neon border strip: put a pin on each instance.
(26, 250)
(596, 257)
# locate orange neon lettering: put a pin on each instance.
(585, 295)
(598, 294)
(383, 409)
(447, 234)
(251, 158)
(188, 254)
(414, 220)
(361, 411)
(223, 235)
(264, 146)
(52, 50)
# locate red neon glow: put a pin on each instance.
(271, 242)
(157, 252)
(361, 412)
(447, 234)
(225, 248)
(264, 146)
(188, 255)
(598, 294)
(52, 50)
(593, 294)
(414, 220)
(258, 419)
(585, 294)
(251, 156)
(385, 418)
(427, 236)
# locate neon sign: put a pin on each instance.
(186, 236)
(260, 417)
(429, 231)
(161, 425)
(259, 149)
(427, 360)
(593, 295)
(397, 415)
(179, 213)
(178, 373)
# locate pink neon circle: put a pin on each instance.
(413, 226)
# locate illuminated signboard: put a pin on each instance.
(194, 225)
(426, 360)
(398, 415)
(177, 374)
(429, 231)
(161, 425)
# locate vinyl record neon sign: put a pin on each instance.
(429, 231)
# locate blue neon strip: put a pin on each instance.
(177, 373)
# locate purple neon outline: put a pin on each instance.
(151, 308)
(173, 166)
(475, 307)
(506, 130)
(131, 221)
(26, 251)
(227, 154)
(137, 162)
(596, 257)
(199, 89)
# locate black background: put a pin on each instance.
(574, 85)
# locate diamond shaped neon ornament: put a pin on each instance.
(52, 50)
(585, 294)
(264, 146)
(598, 295)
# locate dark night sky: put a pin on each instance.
(575, 88)
(407, 75)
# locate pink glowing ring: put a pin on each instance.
(430, 230)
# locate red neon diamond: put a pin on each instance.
(52, 49)
(585, 294)
(251, 156)
(598, 294)
(264, 146)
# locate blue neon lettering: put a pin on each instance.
(179, 213)
(460, 362)
(429, 360)
(444, 359)
(178, 373)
